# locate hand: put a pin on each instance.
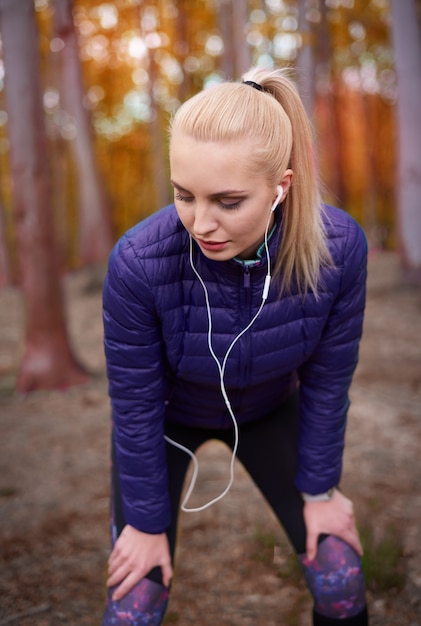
(331, 517)
(135, 553)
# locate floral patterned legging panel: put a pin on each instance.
(335, 578)
(144, 605)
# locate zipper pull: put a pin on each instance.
(247, 278)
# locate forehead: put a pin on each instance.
(226, 162)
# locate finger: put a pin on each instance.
(167, 574)
(128, 583)
(359, 549)
(311, 545)
(113, 562)
(351, 537)
(119, 574)
(115, 556)
(354, 542)
(116, 563)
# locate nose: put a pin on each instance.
(204, 220)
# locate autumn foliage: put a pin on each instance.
(89, 89)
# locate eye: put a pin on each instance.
(181, 198)
(230, 205)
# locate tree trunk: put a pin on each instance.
(47, 361)
(95, 234)
(182, 48)
(241, 48)
(371, 192)
(5, 271)
(225, 17)
(305, 62)
(407, 48)
(327, 113)
(159, 166)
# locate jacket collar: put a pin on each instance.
(260, 254)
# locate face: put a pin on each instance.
(223, 206)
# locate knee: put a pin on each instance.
(145, 605)
(335, 579)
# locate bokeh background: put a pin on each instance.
(87, 89)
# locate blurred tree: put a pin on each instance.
(326, 114)
(225, 18)
(407, 47)
(135, 78)
(181, 46)
(305, 64)
(5, 271)
(148, 18)
(232, 18)
(359, 80)
(95, 230)
(47, 361)
(242, 56)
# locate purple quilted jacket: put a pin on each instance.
(159, 366)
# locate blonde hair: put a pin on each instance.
(275, 122)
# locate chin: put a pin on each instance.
(217, 256)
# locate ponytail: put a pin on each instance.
(303, 249)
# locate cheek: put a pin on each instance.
(256, 222)
(182, 214)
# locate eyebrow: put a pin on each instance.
(225, 192)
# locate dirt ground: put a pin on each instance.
(234, 566)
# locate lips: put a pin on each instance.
(212, 246)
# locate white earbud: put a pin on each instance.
(280, 192)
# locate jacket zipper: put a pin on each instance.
(247, 277)
(247, 309)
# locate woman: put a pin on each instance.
(203, 340)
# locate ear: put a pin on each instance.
(286, 182)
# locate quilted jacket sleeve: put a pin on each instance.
(134, 357)
(325, 379)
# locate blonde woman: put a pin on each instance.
(235, 314)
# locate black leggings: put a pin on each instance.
(268, 451)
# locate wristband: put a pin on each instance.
(319, 497)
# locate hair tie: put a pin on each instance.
(253, 84)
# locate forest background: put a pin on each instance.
(86, 91)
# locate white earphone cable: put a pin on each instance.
(221, 369)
